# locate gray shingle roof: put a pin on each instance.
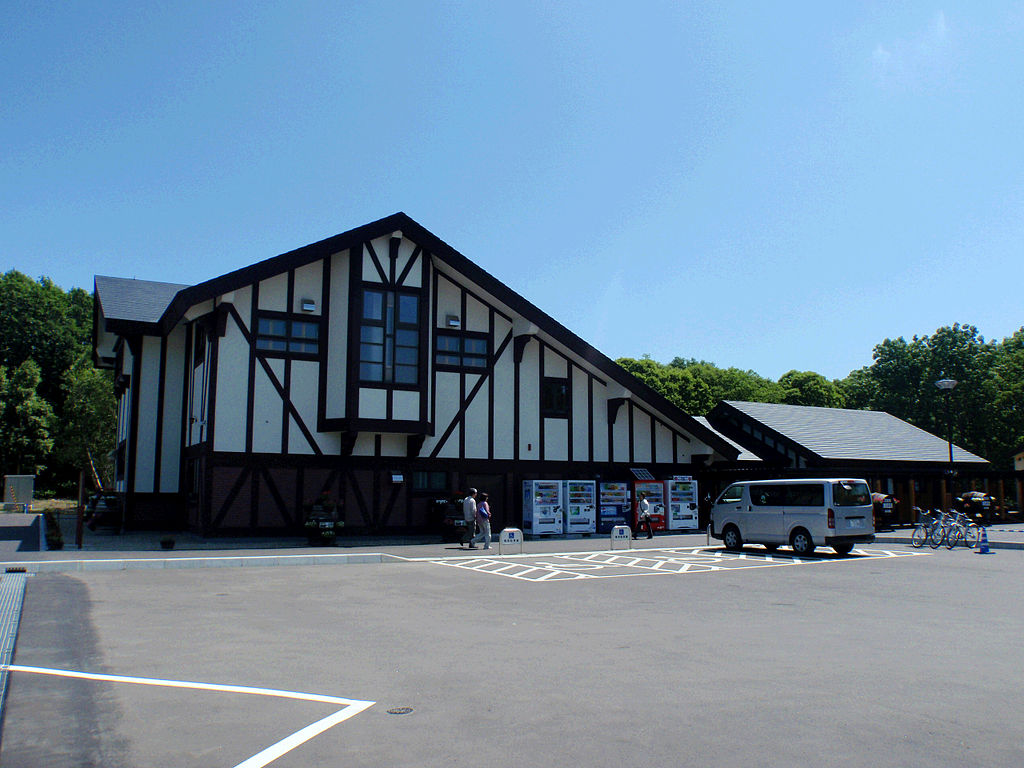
(744, 455)
(838, 433)
(141, 301)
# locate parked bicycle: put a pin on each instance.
(951, 528)
(926, 521)
(945, 531)
(970, 530)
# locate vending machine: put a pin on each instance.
(682, 503)
(580, 506)
(542, 507)
(654, 490)
(613, 507)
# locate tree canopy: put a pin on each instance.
(985, 411)
(56, 409)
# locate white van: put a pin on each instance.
(804, 514)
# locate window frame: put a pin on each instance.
(393, 324)
(437, 482)
(288, 337)
(462, 337)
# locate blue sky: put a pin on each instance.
(771, 186)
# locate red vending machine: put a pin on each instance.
(654, 490)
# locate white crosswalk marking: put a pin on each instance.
(568, 566)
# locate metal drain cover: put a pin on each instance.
(400, 710)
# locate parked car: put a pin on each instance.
(447, 517)
(804, 513)
(977, 505)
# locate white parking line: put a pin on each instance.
(609, 565)
(350, 707)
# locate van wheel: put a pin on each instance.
(732, 539)
(801, 542)
(843, 549)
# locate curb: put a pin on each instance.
(176, 563)
(991, 544)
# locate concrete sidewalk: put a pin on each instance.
(1000, 536)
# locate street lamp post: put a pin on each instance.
(947, 385)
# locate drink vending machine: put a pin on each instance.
(580, 506)
(682, 503)
(655, 492)
(613, 507)
(542, 506)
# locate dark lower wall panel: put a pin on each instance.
(156, 511)
(257, 494)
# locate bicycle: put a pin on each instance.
(971, 530)
(945, 531)
(925, 522)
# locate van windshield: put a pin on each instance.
(850, 494)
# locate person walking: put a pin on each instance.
(469, 515)
(483, 522)
(643, 517)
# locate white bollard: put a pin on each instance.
(510, 537)
(621, 537)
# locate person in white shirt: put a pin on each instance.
(643, 517)
(483, 522)
(469, 515)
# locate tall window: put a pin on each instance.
(287, 336)
(389, 337)
(554, 398)
(464, 351)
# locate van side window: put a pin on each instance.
(805, 495)
(767, 495)
(731, 495)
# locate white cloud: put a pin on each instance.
(908, 60)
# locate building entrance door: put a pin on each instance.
(503, 512)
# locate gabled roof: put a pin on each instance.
(842, 435)
(186, 296)
(137, 301)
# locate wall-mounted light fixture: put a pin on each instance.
(452, 321)
(308, 305)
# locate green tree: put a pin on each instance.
(984, 408)
(88, 421)
(730, 383)
(858, 389)
(26, 420)
(40, 322)
(809, 388)
(697, 386)
(1008, 404)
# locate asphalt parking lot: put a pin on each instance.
(892, 657)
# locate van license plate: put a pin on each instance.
(857, 523)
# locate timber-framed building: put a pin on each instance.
(380, 368)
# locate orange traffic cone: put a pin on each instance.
(983, 544)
